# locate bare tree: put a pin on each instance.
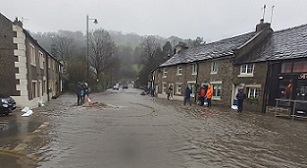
(148, 49)
(64, 47)
(102, 51)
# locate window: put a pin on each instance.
(300, 66)
(217, 91)
(191, 85)
(164, 73)
(286, 67)
(44, 87)
(53, 65)
(49, 63)
(247, 69)
(194, 69)
(178, 88)
(34, 88)
(253, 93)
(179, 70)
(164, 88)
(32, 55)
(41, 59)
(214, 67)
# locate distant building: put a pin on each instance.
(28, 72)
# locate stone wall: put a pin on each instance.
(7, 58)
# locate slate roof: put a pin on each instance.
(212, 50)
(284, 44)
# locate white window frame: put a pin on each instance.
(32, 55)
(41, 59)
(214, 67)
(191, 85)
(164, 87)
(164, 71)
(252, 92)
(244, 70)
(217, 83)
(194, 69)
(177, 88)
(179, 70)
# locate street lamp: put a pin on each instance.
(87, 44)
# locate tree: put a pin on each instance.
(167, 50)
(63, 47)
(102, 52)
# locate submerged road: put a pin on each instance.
(126, 129)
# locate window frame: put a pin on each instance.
(164, 87)
(246, 69)
(214, 67)
(252, 92)
(164, 73)
(177, 88)
(179, 70)
(41, 59)
(215, 91)
(32, 55)
(191, 85)
(194, 69)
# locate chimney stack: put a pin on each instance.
(262, 26)
(17, 22)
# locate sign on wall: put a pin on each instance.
(303, 76)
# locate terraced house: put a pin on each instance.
(29, 73)
(253, 61)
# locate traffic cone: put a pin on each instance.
(89, 101)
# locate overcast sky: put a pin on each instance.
(210, 19)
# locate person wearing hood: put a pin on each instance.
(240, 96)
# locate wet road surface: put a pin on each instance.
(125, 129)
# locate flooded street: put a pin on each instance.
(126, 129)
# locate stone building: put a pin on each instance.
(243, 61)
(31, 74)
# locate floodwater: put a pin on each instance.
(126, 129)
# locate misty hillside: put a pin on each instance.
(130, 40)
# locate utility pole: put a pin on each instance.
(87, 45)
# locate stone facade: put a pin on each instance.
(24, 65)
(7, 58)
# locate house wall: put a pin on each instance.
(55, 83)
(21, 64)
(258, 80)
(7, 58)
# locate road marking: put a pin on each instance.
(22, 146)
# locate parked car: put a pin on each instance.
(7, 104)
(125, 86)
(116, 87)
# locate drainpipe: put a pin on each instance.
(196, 81)
(266, 87)
(47, 73)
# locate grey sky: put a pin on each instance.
(211, 19)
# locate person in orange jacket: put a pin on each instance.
(209, 95)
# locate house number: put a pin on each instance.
(303, 76)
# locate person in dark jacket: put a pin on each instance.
(187, 96)
(78, 93)
(240, 96)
